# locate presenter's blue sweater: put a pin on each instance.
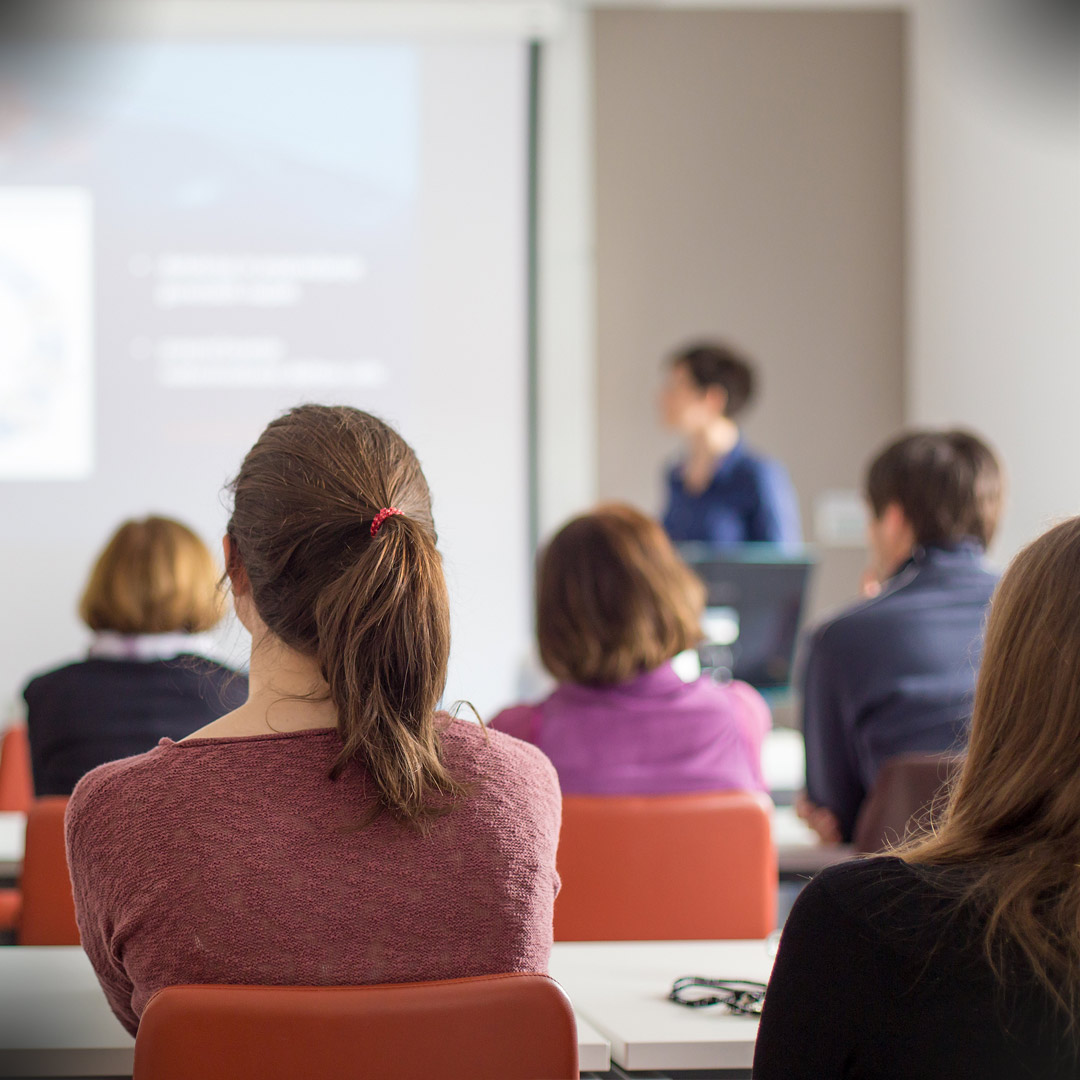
(749, 500)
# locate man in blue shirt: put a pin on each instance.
(721, 492)
(896, 673)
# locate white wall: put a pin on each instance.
(994, 316)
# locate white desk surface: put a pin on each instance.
(12, 838)
(783, 760)
(55, 1021)
(622, 987)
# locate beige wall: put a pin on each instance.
(749, 184)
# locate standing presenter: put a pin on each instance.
(721, 491)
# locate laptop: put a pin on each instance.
(755, 597)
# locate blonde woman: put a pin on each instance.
(152, 596)
(960, 956)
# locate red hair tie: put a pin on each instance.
(381, 516)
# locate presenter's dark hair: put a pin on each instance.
(947, 483)
(372, 610)
(614, 599)
(715, 364)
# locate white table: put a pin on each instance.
(622, 987)
(12, 838)
(55, 1021)
(783, 760)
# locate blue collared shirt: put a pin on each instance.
(894, 675)
(749, 500)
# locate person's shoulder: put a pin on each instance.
(726, 697)
(73, 671)
(846, 890)
(516, 720)
(863, 620)
(857, 880)
(489, 757)
(985, 575)
(104, 791)
(476, 742)
(761, 466)
(889, 898)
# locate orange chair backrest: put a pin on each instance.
(48, 908)
(494, 1027)
(16, 779)
(666, 868)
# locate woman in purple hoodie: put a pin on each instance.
(615, 604)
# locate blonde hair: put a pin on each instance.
(1013, 817)
(155, 576)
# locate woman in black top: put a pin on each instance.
(151, 596)
(961, 957)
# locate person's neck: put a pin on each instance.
(715, 441)
(896, 562)
(285, 688)
(286, 691)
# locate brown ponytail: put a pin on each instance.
(373, 610)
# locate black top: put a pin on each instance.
(82, 715)
(894, 675)
(880, 975)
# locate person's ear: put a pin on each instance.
(899, 531)
(234, 567)
(717, 398)
(894, 520)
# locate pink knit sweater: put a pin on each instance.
(238, 861)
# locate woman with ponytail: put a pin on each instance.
(959, 956)
(336, 828)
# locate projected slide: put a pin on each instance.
(198, 234)
(254, 225)
(46, 392)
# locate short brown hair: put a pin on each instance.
(715, 364)
(155, 576)
(947, 483)
(614, 599)
(370, 607)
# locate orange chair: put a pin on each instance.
(16, 780)
(494, 1027)
(45, 912)
(666, 867)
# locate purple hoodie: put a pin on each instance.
(653, 735)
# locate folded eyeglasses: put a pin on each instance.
(744, 997)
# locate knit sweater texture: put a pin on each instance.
(238, 860)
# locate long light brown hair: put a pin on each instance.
(154, 576)
(1013, 817)
(613, 598)
(373, 610)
